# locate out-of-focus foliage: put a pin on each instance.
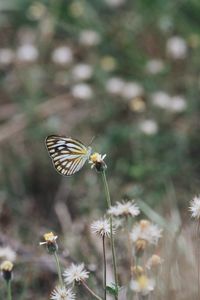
(125, 72)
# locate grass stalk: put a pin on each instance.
(90, 291)
(9, 294)
(104, 267)
(58, 269)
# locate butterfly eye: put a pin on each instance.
(68, 155)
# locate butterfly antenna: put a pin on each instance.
(92, 139)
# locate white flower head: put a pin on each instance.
(62, 55)
(132, 90)
(147, 231)
(6, 56)
(82, 91)
(7, 253)
(142, 285)
(61, 293)
(124, 209)
(114, 3)
(178, 104)
(161, 99)
(82, 72)
(148, 127)
(101, 228)
(195, 207)
(75, 273)
(176, 47)
(115, 85)
(154, 262)
(89, 38)
(27, 53)
(155, 66)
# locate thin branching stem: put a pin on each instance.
(104, 266)
(90, 291)
(111, 231)
(9, 294)
(58, 269)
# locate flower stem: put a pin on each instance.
(111, 231)
(104, 264)
(90, 291)
(9, 295)
(129, 248)
(58, 269)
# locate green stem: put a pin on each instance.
(90, 291)
(104, 269)
(129, 248)
(58, 269)
(9, 294)
(111, 231)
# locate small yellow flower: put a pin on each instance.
(97, 161)
(50, 242)
(6, 266)
(143, 285)
(138, 270)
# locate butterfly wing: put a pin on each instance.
(68, 155)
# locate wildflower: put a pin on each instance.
(176, 47)
(148, 127)
(82, 72)
(89, 38)
(114, 3)
(124, 209)
(138, 270)
(101, 228)
(62, 55)
(154, 66)
(75, 274)
(195, 207)
(37, 11)
(50, 242)
(147, 231)
(7, 253)
(161, 99)
(154, 261)
(140, 246)
(61, 293)
(142, 285)
(6, 268)
(82, 91)
(97, 161)
(178, 104)
(132, 90)
(6, 56)
(137, 104)
(108, 63)
(115, 85)
(27, 53)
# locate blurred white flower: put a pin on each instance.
(7, 253)
(115, 85)
(101, 228)
(166, 23)
(27, 53)
(62, 55)
(124, 209)
(75, 273)
(155, 66)
(37, 10)
(145, 230)
(6, 56)
(178, 104)
(82, 72)
(132, 90)
(89, 38)
(148, 127)
(108, 63)
(195, 207)
(61, 293)
(154, 261)
(82, 91)
(114, 3)
(142, 285)
(161, 99)
(176, 47)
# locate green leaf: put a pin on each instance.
(112, 289)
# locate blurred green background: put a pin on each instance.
(125, 72)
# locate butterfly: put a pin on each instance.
(68, 155)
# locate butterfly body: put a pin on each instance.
(68, 155)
